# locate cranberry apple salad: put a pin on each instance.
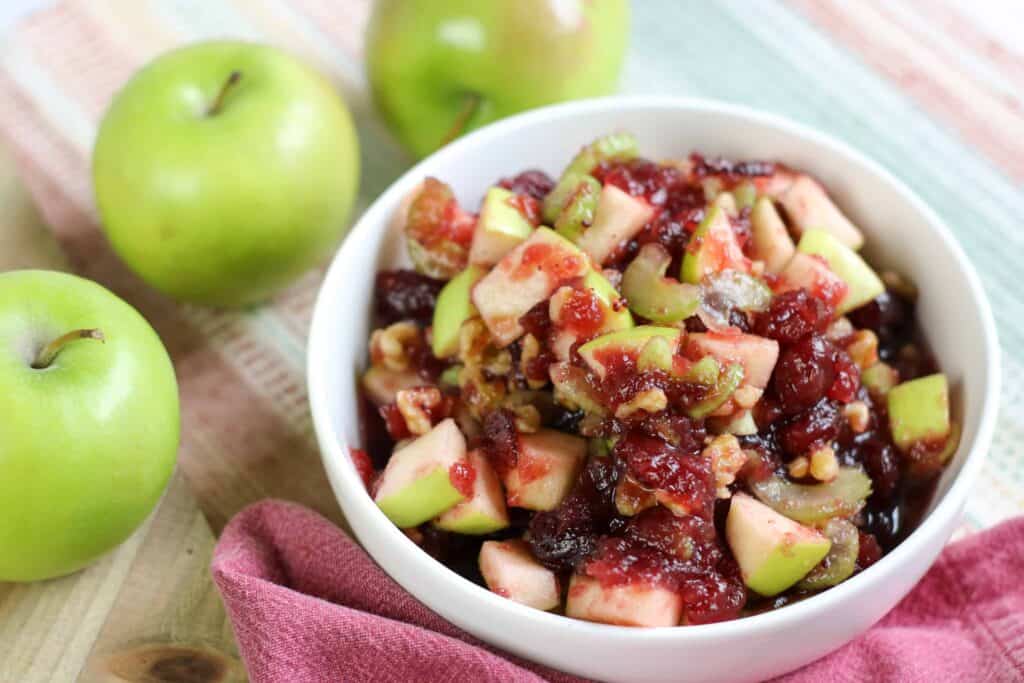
(649, 394)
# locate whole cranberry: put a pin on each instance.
(883, 466)
(804, 373)
(793, 315)
(532, 183)
(819, 424)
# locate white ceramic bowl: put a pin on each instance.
(902, 232)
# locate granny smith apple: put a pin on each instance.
(91, 423)
(224, 170)
(441, 67)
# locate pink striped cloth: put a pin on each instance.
(308, 604)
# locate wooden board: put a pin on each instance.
(146, 613)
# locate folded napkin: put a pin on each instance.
(308, 604)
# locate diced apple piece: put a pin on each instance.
(726, 384)
(454, 307)
(417, 483)
(619, 217)
(808, 206)
(500, 228)
(579, 209)
(382, 384)
(484, 512)
(572, 390)
(631, 604)
(548, 464)
(623, 343)
(772, 243)
(527, 275)
(919, 411)
(812, 272)
(756, 354)
(880, 378)
(613, 147)
(512, 572)
(740, 423)
(773, 551)
(713, 248)
(615, 315)
(862, 285)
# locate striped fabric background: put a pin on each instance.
(932, 89)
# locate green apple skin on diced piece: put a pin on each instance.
(756, 354)
(651, 294)
(771, 241)
(580, 209)
(450, 377)
(728, 382)
(613, 147)
(573, 391)
(745, 195)
(773, 551)
(382, 384)
(453, 308)
(809, 207)
(619, 217)
(547, 465)
(657, 354)
(919, 412)
(713, 248)
(705, 371)
(812, 272)
(880, 378)
(862, 284)
(510, 570)
(416, 485)
(499, 229)
(623, 343)
(630, 604)
(484, 512)
(527, 275)
(616, 315)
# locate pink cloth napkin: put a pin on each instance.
(308, 604)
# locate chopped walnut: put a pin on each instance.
(863, 348)
(526, 417)
(746, 396)
(840, 329)
(530, 349)
(473, 341)
(824, 464)
(417, 406)
(389, 346)
(480, 393)
(857, 415)
(727, 458)
(649, 401)
(798, 467)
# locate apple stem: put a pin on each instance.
(470, 105)
(218, 101)
(49, 352)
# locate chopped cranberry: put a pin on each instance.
(804, 373)
(847, 381)
(405, 295)
(714, 596)
(395, 422)
(532, 183)
(818, 425)
(882, 465)
(361, 461)
(501, 441)
(462, 475)
(716, 166)
(582, 313)
(793, 315)
(527, 206)
(870, 552)
(641, 178)
(684, 478)
(542, 258)
(885, 312)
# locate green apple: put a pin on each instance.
(546, 468)
(91, 423)
(919, 411)
(511, 571)
(862, 284)
(441, 67)
(611, 147)
(880, 378)
(629, 342)
(618, 218)
(500, 228)
(224, 170)
(484, 512)
(809, 207)
(712, 249)
(771, 241)
(631, 604)
(417, 484)
(454, 307)
(773, 551)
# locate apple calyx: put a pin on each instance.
(48, 353)
(471, 102)
(218, 101)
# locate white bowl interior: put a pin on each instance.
(902, 233)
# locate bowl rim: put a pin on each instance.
(334, 450)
